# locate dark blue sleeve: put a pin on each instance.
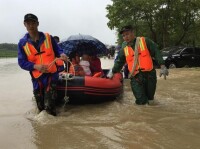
(56, 48)
(22, 58)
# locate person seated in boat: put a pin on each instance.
(75, 68)
(85, 64)
(95, 66)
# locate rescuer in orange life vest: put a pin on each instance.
(37, 52)
(138, 52)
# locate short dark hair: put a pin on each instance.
(126, 28)
(72, 55)
(30, 16)
(56, 38)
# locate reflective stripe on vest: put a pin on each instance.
(45, 56)
(144, 60)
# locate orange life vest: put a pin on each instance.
(59, 62)
(45, 56)
(76, 69)
(97, 74)
(144, 58)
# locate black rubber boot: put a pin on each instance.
(39, 100)
(51, 111)
(141, 102)
(49, 100)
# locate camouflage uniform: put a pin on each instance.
(143, 84)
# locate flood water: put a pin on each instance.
(173, 122)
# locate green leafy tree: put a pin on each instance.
(167, 22)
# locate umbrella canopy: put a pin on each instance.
(83, 44)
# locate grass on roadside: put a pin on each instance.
(8, 53)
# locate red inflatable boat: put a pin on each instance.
(92, 89)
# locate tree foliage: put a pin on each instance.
(167, 22)
(8, 46)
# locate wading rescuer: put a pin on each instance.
(138, 52)
(37, 53)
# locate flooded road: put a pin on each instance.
(173, 122)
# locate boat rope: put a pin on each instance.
(66, 98)
(51, 64)
(135, 57)
(67, 77)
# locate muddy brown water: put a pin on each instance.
(173, 122)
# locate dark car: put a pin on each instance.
(176, 57)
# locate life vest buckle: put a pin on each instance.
(39, 53)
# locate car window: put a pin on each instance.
(187, 51)
(166, 51)
(197, 51)
(178, 51)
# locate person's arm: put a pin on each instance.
(120, 61)
(57, 50)
(154, 51)
(22, 58)
(153, 48)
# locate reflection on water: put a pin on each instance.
(173, 122)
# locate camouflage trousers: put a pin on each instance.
(46, 97)
(143, 86)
